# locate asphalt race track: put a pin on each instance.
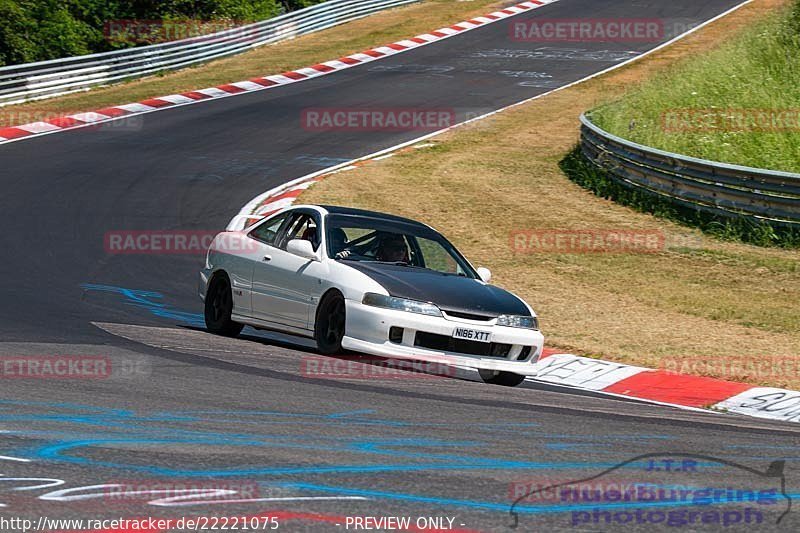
(184, 407)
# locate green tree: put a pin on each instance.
(15, 28)
(35, 30)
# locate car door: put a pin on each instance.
(283, 283)
(263, 237)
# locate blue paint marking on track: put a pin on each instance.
(144, 300)
(350, 414)
(57, 452)
(80, 429)
(96, 426)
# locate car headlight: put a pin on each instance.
(514, 321)
(400, 304)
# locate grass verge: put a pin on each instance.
(375, 30)
(737, 104)
(718, 308)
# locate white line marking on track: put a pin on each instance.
(49, 482)
(171, 502)
(276, 205)
(8, 458)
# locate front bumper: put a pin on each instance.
(368, 331)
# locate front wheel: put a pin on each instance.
(506, 379)
(218, 309)
(329, 327)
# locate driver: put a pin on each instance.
(338, 243)
(392, 248)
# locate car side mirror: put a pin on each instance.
(485, 274)
(302, 248)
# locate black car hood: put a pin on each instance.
(450, 293)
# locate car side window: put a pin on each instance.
(303, 226)
(435, 257)
(268, 231)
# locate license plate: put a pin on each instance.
(472, 335)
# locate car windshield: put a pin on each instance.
(357, 238)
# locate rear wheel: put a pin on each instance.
(219, 306)
(506, 379)
(329, 327)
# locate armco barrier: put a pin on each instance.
(46, 79)
(719, 188)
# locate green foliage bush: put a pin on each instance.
(37, 30)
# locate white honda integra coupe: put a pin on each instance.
(368, 282)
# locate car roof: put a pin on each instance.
(351, 211)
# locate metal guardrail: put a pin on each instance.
(46, 79)
(718, 188)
